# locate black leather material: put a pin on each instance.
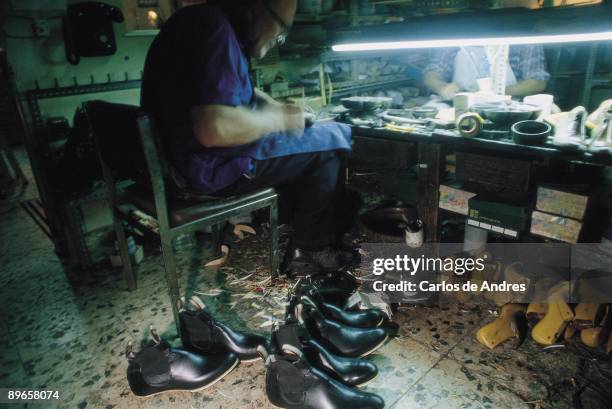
(161, 368)
(201, 333)
(350, 371)
(371, 318)
(331, 295)
(184, 211)
(338, 338)
(302, 261)
(293, 384)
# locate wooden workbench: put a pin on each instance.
(431, 161)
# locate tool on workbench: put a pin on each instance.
(469, 124)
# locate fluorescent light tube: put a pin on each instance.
(458, 42)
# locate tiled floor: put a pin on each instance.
(72, 337)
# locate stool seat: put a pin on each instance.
(181, 211)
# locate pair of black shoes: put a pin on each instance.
(317, 360)
(211, 351)
(298, 261)
(345, 333)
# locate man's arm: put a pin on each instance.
(529, 65)
(434, 82)
(217, 126)
(439, 68)
(526, 87)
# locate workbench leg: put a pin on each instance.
(428, 187)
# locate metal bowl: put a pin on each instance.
(424, 112)
(504, 115)
(387, 223)
(366, 104)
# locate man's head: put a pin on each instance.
(269, 22)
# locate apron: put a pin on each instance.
(472, 64)
(214, 169)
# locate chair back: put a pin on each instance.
(115, 131)
(130, 145)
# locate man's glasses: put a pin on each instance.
(280, 39)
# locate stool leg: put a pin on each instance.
(274, 251)
(171, 279)
(126, 259)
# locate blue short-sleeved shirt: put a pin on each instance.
(197, 59)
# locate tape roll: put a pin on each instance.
(469, 124)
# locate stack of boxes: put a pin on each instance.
(559, 215)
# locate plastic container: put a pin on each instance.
(530, 132)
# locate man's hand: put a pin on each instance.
(448, 91)
(266, 99)
(293, 117)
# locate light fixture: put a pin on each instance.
(464, 42)
(493, 27)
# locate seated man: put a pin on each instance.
(452, 70)
(196, 86)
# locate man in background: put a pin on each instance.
(453, 70)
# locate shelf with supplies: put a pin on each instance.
(344, 88)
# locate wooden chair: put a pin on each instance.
(129, 148)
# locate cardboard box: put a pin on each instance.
(500, 216)
(455, 199)
(572, 205)
(555, 227)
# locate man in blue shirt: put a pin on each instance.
(196, 85)
(452, 70)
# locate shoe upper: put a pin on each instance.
(338, 338)
(200, 332)
(160, 368)
(293, 384)
(320, 261)
(350, 371)
(370, 318)
(331, 295)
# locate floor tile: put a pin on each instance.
(450, 385)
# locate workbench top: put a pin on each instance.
(451, 137)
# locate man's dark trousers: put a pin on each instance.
(308, 188)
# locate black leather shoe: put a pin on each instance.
(293, 339)
(301, 261)
(330, 294)
(337, 338)
(293, 384)
(201, 333)
(371, 318)
(161, 368)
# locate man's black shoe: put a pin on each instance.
(203, 334)
(370, 318)
(293, 384)
(331, 295)
(337, 338)
(307, 262)
(293, 339)
(161, 368)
